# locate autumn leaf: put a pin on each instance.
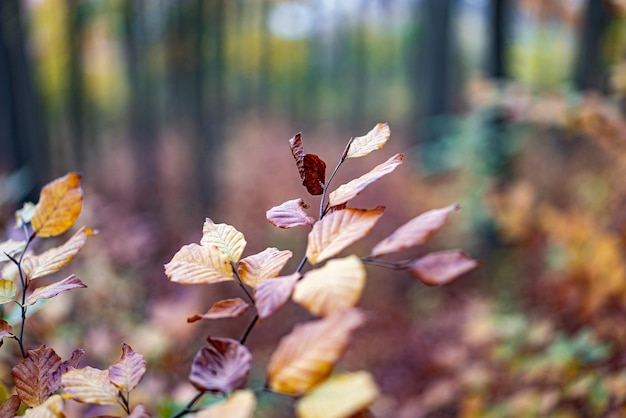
(126, 373)
(221, 367)
(89, 385)
(442, 267)
(60, 203)
(340, 396)
(297, 150)
(372, 141)
(339, 229)
(257, 268)
(289, 214)
(51, 290)
(272, 294)
(23, 216)
(6, 330)
(314, 174)
(306, 356)
(12, 248)
(9, 408)
(140, 411)
(228, 308)
(225, 237)
(240, 404)
(7, 291)
(33, 376)
(336, 286)
(66, 366)
(199, 264)
(51, 408)
(415, 232)
(350, 190)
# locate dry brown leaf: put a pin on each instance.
(289, 214)
(222, 367)
(307, 355)
(60, 203)
(350, 190)
(415, 232)
(89, 385)
(257, 268)
(9, 408)
(442, 267)
(371, 141)
(272, 294)
(225, 237)
(129, 369)
(314, 174)
(33, 376)
(66, 366)
(51, 408)
(297, 150)
(228, 308)
(6, 330)
(11, 248)
(336, 286)
(51, 290)
(240, 404)
(7, 291)
(339, 229)
(199, 264)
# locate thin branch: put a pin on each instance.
(394, 265)
(251, 325)
(325, 189)
(240, 283)
(189, 407)
(124, 401)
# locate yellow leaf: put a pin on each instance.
(350, 190)
(7, 291)
(51, 408)
(60, 203)
(338, 230)
(225, 237)
(340, 396)
(240, 404)
(198, 264)
(89, 385)
(336, 286)
(307, 355)
(257, 268)
(372, 141)
(11, 248)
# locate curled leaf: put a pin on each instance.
(129, 369)
(289, 214)
(240, 404)
(60, 203)
(372, 141)
(228, 308)
(272, 294)
(257, 268)
(66, 366)
(314, 174)
(442, 267)
(225, 237)
(297, 150)
(199, 264)
(89, 385)
(51, 408)
(7, 291)
(33, 376)
(51, 290)
(6, 330)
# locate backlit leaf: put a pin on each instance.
(33, 375)
(348, 191)
(339, 229)
(240, 404)
(140, 411)
(24, 215)
(336, 286)
(415, 232)
(9, 408)
(11, 248)
(199, 264)
(442, 267)
(60, 203)
(89, 385)
(7, 291)
(228, 308)
(307, 355)
(51, 290)
(297, 150)
(340, 396)
(225, 237)
(314, 174)
(126, 373)
(257, 268)
(51, 408)
(272, 294)
(289, 214)
(221, 367)
(372, 141)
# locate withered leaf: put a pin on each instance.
(350, 190)
(7, 291)
(140, 411)
(289, 214)
(442, 267)
(272, 294)
(60, 203)
(51, 290)
(240, 404)
(307, 355)
(227, 308)
(89, 385)
(9, 408)
(225, 237)
(6, 330)
(51, 408)
(415, 232)
(336, 286)
(257, 268)
(339, 229)
(297, 150)
(126, 373)
(221, 367)
(66, 366)
(33, 376)
(199, 264)
(314, 174)
(372, 141)
(11, 248)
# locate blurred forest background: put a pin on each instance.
(179, 110)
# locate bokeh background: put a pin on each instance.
(175, 111)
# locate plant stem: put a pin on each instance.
(251, 325)
(189, 407)
(124, 401)
(240, 282)
(325, 189)
(394, 265)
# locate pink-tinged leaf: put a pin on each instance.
(89, 385)
(372, 141)
(350, 190)
(33, 376)
(11, 248)
(66, 366)
(415, 232)
(222, 367)
(314, 174)
(272, 294)
(228, 308)
(290, 214)
(297, 150)
(339, 229)
(199, 264)
(240, 404)
(51, 408)
(51, 290)
(307, 355)
(6, 330)
(140, 411)
(129, 369)
(9, 408)
(257, 268)
(442, 267)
